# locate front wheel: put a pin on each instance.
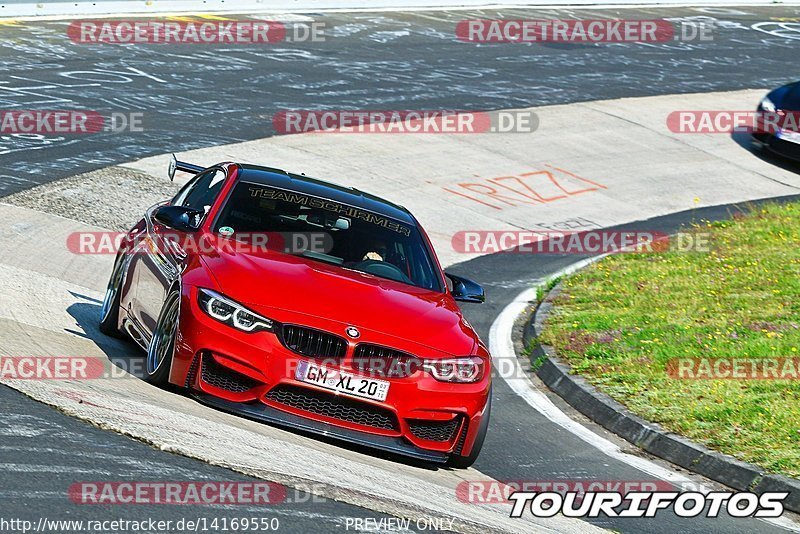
(162, 346)
(462, 462)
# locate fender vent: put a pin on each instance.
(462, 439)
(192, 371)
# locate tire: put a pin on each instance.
(109, 313)
(463, 462)
(162, 347)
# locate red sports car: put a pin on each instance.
(298, 302)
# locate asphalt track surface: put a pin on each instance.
(196, 96)
(43, 453)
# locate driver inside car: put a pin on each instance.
(376, 251)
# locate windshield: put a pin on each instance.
(328, 231)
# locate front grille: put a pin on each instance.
(313, 343)
(334, 406)
(375, 360)
(219, 376)
(434, 430)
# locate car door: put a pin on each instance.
(162, 259)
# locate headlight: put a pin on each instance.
(767, 105)
(231, 313)
(462, 370)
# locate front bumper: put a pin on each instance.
(253, 375)
(781, 147)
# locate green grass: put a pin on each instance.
(621, 320)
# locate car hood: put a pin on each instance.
(787, 97)
(272, 282)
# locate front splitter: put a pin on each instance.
(263, 413)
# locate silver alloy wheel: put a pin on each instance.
(163, 344)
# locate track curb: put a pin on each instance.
(613, 416)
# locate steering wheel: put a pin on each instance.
(383, 269)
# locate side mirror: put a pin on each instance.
(466, 290)
(178, 218)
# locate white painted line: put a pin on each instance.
(501, 346)
(51, 468)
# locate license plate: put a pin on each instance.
(792, 137)
(342, 382)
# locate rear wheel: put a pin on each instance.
(109, 313)
(162, 346)
(462, 462)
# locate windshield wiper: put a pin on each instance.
(319, 256)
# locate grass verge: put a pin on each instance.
(622, 320)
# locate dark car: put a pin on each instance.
(785, 141)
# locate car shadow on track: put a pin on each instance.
(122, 353)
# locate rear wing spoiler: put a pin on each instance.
(175, 165)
